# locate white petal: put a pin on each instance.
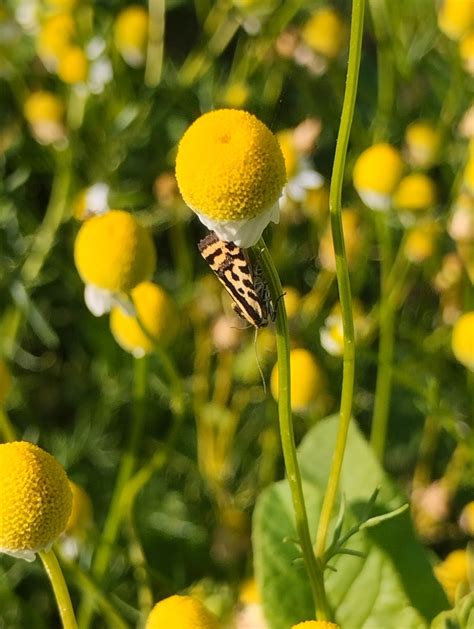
(27, 555)
(329, 343)
(310, 179)
(246, 232)
(97, 198)
(124, 303)
(98, 300)
(295, 191)
(375, 200)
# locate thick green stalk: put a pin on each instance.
(60, 590)
(127, 464)
(313, 567)
(342, 272)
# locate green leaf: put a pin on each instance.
(393, 587)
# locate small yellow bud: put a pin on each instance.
(422, 141)
(307, 379)
(54, 38)
(420, 242)
(462, 340)
(44, 112)
(376, 174)
(131, 34)
(35, 499)
(453, 573)
(415, 193)
(466, 51)
(292, 299)
(114, 252)
(184, 612)
(456, 17)
(156, 314)
(325, 32)
(73, 65)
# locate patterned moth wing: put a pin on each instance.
(243, 281)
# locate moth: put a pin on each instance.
(242, 279)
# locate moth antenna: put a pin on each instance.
(260, 370)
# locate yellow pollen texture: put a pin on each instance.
(229, 166)
(35, 497)
(184, 612)
(114, 252)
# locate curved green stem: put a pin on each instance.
(127, 465)
(156, 38)
(313, 567)
(60, 590)
(383, 387)
(342, 272)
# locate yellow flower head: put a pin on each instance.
(231, 171)
(376, 174)
(114, 252)
(415, 193)
(184, 612)
(307, 379)
(462, 340)
(249, 592)
(422, 141)
(456, 17)
(5, 382)
(325, 32)
(44, 112)
(156, 315)
(466, 51)
(55, 36)
(315, 624)
(35, 499)
(131, 34)
(420, 242)
(453, 573)
(73, 65)
(81, 516)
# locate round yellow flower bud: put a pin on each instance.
(324, 32)
(156, 315)
(420, 242)
(231, 171)
(315, 624)
(73, 65)
(415, 193)
(184, 612)
(466, 51)
(236, 95)
(453, 572)
(131, 34)
(5, 382)
(422, 141)
(35, 499)
(307, 379)
(114, 252)
(456, 17)
(80, 518)
(54, 38)
(377, 172)
(462, 340)
(44, 111)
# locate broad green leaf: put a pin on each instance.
(392, 588)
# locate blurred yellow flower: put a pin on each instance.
(456, 17)
(90, 201)
(184, 612)
(290, 155)
(415, 193)
(73, 65)
(35, 499)
(113, 253)
(466, 51)
(6, 382)
(307, 379)
(466, 519)
(420, 242)
(54, 37)
(332, 333)
(231, 172)
(462, 340)
(292, 299)
(315, 624)
(44, 112)
(236, 94)
(131, 34)
(81, 515)
(422, 141)
(376, 174)
(157, 317)
(468, 179)
(453, 574)
(325, 32)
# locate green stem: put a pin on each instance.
(156, 38)
(6, 427)
(342, 272)
(127, 465)
(60, 590)
(383, 387)
(313, 567)
(385, 71)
